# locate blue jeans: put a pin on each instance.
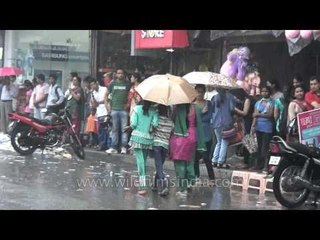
(159, 158)
(220, 151)
(119, 122)
(103, 136)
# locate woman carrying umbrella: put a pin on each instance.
(187, 137)
(143, 121)
(168, 90)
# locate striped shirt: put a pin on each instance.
(163, 132)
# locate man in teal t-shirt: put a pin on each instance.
(118, 95)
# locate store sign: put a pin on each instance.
(149, 39)
(57, 53)
(152, 33)
(309, 127)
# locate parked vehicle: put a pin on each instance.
(297, 171)
(55, 130)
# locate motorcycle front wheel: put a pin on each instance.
(285, 189)
(77, 146)
(20, 140)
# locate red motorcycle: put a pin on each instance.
(55, 130)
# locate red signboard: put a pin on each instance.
(148, 39)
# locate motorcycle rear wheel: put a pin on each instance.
(19, 140)
(283, 180)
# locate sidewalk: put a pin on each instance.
(232, 159)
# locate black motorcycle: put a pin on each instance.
(297, 172)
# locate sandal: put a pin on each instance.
(224, 165)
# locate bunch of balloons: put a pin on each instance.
(304, 34)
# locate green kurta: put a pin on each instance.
(141, 137)
(180, 126)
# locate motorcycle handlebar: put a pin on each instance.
(280, 139)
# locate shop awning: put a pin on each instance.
(149, 39)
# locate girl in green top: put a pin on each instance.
(143, 121)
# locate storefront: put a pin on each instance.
(48, 51)
(159, 51)
(114, 50)
(207, 50)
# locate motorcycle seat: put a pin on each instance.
(40, 121)
(309, 151)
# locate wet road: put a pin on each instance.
(55, 180)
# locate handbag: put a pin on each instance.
(250, 142)
(228, 134)
(237, 138)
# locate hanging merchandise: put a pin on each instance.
(298, 39)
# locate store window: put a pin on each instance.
(48, 51)
(114, 51)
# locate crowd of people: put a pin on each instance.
(117, 119)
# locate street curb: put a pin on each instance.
(168, 165)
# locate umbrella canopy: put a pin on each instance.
(8, 71)
(209, 78)
(167, 89)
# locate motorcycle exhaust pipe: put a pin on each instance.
(305, 183)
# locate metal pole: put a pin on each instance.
(171, 62)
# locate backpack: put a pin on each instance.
(63, 104)
(57, 108)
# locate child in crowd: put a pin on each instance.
(92, 128)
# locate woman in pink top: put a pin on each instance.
(29, 88)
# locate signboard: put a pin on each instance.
(57, 53)
(148, 39)
(61, 56)
(309, 127)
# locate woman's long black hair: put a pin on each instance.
(146, 106)
(163, 110)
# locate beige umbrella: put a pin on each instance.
(167, 89)
(210, 78)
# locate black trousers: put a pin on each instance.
(206, 158)
(263, 149)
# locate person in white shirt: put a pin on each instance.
(40, 96)
(211, 91)
(55, 95)
(13, 79)
(7, 92)
(99, 101)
